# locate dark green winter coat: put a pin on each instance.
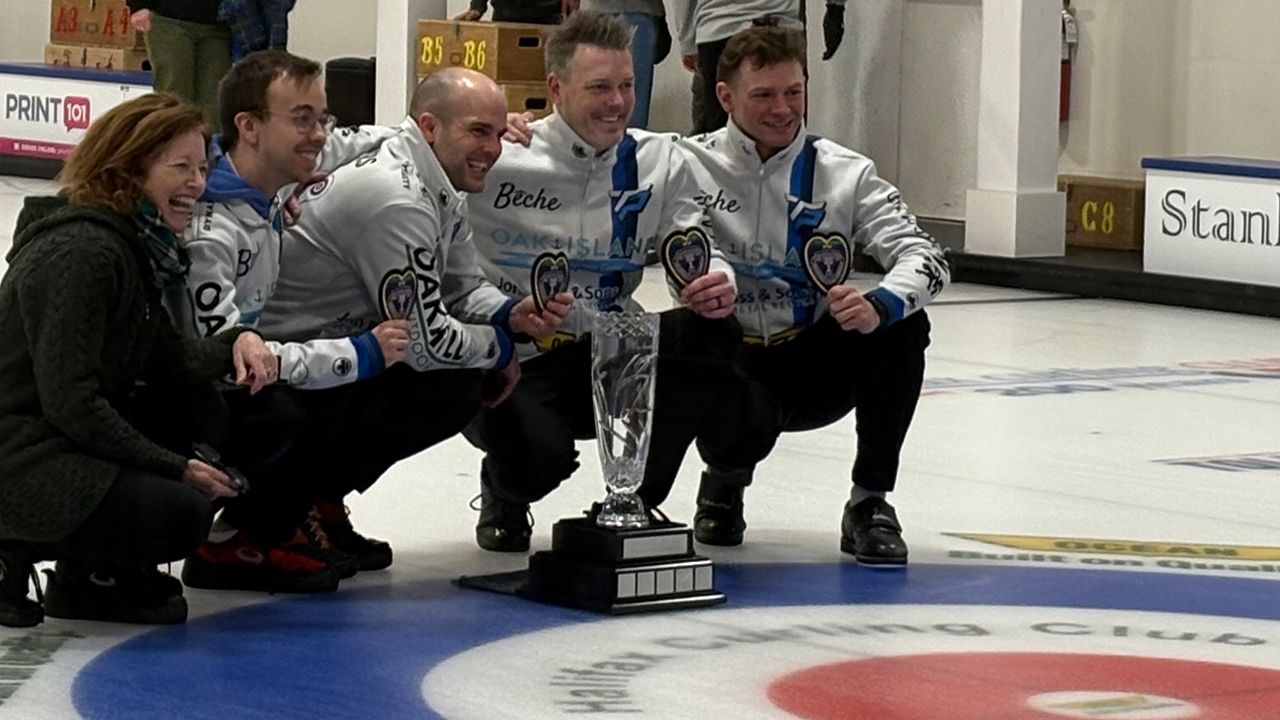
(80, 323)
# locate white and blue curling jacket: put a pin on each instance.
(386, 238)
(234, 242)
(764, 213)
(603, 210)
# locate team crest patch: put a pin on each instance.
(827, 260)
(686, 255)
(398, 292)
(549, 277)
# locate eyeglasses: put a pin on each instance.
(304, 122)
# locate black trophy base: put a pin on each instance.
(621, 571)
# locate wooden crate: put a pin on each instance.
(116, 59)
(506, 52)
(1104, 213)
(65, 55)
(101, 23)
(528, 97)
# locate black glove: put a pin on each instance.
(832, 29)
(662, 42)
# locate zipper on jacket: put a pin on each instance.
(760, 306)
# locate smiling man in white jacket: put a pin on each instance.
(387, 237)
(789, 209)
(276, 131)
(603, 194)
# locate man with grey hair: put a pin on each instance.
(386, 237)
(602, 194)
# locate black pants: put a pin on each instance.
(250, 431)
(709, 116)
(817, 378)
(350, 437)
(143, 519)
(529, 439)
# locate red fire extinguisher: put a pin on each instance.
(1070, 38)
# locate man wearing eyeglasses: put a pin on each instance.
(276, 129)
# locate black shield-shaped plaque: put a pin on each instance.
(549, 277)
(686, 255)
(827, 260)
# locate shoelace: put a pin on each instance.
(476, 502)
(35, 580)
(317, 530)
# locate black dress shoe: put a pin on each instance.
(718, 520)
(870, 532)
(503, 526)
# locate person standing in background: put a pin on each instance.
(256, 25)
(650, 45)
(705, 26)
(538, 12)
(189, 48)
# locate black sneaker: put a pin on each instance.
(110, 595)
(503, 526)
(238, 564)
(312, 540)
(16, 609)
(718, 520)
(870, 532)
(335, 520)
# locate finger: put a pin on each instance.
(557, 309)
(216, 491)
(263, 367)
(215, 484)
(699, 283)
(221, 478)
(537, 327)
(709, 294)
(242, 372)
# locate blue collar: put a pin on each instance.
(225, 184)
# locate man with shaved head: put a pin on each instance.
(386, 237)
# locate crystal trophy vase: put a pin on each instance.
(624, 367)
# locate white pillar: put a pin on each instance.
(1016, 210)
(398, 53)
